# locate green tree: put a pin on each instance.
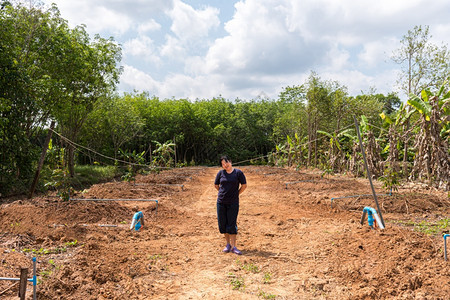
(92, 75)
(290, 113)
(28, 86)
(114, 122)
(424, 65)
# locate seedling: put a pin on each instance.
(237, 283)
(265, 295)
(155, 257)
(267, 278)
(251, 268)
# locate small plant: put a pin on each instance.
(58, 250)
(135, 160)
(72, 244)
(45, 273)
(267, 278)
(265, 295)
(60, 177)
(237, 283)
(389, 179)
(326, 173)
(429, 227)
(155, 257)
(432, 228)
(251, 268)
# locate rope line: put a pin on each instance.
(75, 145)
(304, 144)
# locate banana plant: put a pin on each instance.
(432, 159)
(336, 154)
(164, 153)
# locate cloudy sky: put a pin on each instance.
(200, 49)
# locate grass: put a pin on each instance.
(430, 228)
(87, 175)
(56, 250)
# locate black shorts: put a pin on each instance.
(227, 217)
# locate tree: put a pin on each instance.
(424, 65)
(319, 111)
(290, 113)
(27, 39)
(113, 122)
(92, 75)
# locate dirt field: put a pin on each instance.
(295, 244)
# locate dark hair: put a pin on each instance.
(225, 158)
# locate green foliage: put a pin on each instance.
(86, 175)
(135, 160)
(48, 71)
(163, 154)
(267, 277)
(250, 267)
(265, 295)
(431, 228)
(236, 282)
(59, 178)
(421, 104)
(390, 179)
(424, 65)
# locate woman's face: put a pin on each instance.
(226, 164)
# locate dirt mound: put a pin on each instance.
(299, 233)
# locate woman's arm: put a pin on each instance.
(216, 186)
(242, 189)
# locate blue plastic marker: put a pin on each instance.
(138, 221)
(372, 216)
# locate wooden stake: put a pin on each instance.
(23, 283)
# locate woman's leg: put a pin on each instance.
(232, 214)
(232, 238)
(227, 238)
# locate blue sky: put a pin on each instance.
(200, 49)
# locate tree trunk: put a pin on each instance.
(41, 160)
(71, 160)
(405, 150)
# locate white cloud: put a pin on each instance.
(337, 58)
(189, 24)
(150, 25)
(138, 79)
(143, 47)
(261, 40)
(173, 49)
(84, 12)
(265, 45)
(378, 51)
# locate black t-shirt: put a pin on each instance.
(229, 186)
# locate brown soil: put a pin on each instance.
(296, 242)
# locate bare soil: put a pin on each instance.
(296, 242)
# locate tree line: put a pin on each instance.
(57, 79)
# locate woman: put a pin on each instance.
(230, 183)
